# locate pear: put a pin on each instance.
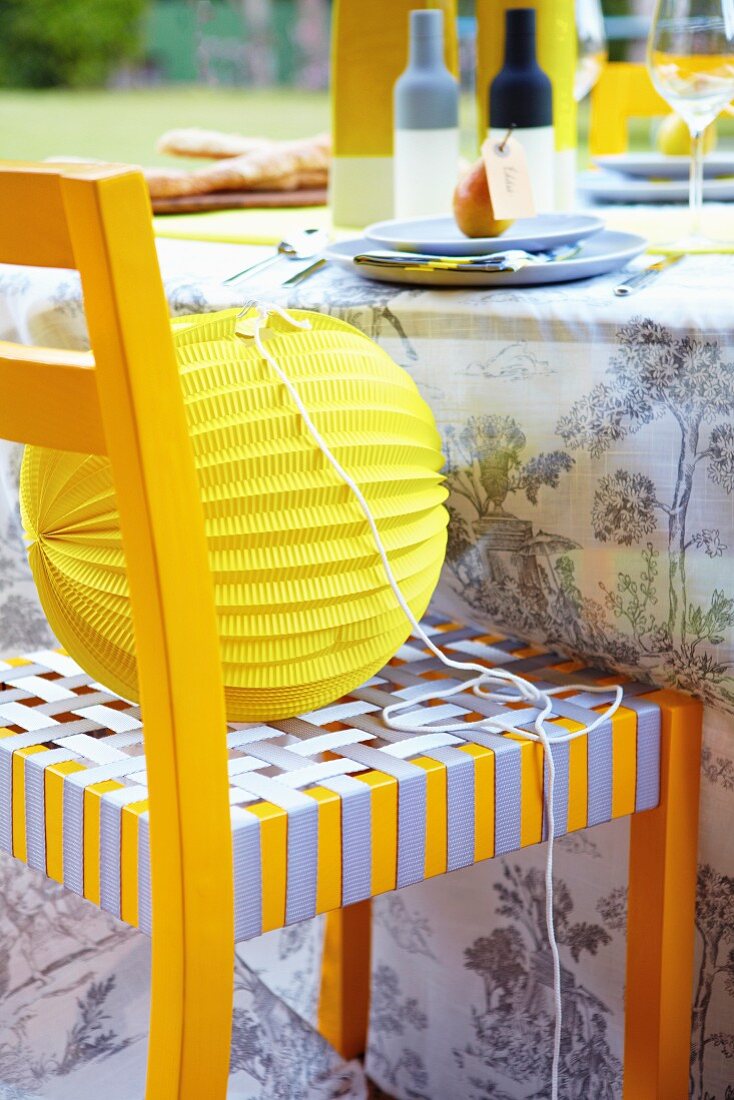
(473, 205)
(674, 137)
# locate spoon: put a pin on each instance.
(301, 246)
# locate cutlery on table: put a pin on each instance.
(510, 260)
(300, 246)
(647, 275)
(307, 272)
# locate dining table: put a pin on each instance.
(589, 446)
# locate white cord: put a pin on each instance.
(500, 678)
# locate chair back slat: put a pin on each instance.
(33, 227)
(50, 399)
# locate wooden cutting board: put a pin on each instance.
(239, 200)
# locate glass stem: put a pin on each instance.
(696, 181)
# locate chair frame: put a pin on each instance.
(623, 91)
(124, 400)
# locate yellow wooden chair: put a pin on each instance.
(347, 809)
(624, 91)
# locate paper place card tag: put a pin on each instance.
(508, 179)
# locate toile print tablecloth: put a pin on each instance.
(590, 456)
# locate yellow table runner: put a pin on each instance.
(667, 224)
(255, 225)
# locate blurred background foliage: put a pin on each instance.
(72, 43)
(225, 43)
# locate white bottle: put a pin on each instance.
(426, 142)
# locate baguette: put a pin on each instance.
(208, 143)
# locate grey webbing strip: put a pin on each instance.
(647, 785)
(98, 773)
(569, 708)
(35, 816)
(446, 637)
(76, 703)
(19, 672)
(507, 785)
(411, 829)
(35, 803)
(460, 805)
(376, 696)
(302, 842)
(599, 764)
(540, 661)
(145, 901)
(6, 801)
(110, 844)
(561, 752)
(247, 862)
(73, 833)
(302, 867)
(277, 755)
(411, 807)
(356, 814)
(13, 695)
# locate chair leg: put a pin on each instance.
(345, 979)
(660, 915)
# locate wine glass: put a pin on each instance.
(592, 47)
(690, 57)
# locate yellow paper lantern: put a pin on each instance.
(305, 610)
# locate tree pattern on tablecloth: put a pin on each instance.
(647, 624)
(654, 374)
(512, 1026)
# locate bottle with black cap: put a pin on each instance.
(426, 141)
(521, 98)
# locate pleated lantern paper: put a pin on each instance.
(305, 610)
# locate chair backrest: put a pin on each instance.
(624, 91)
(124, 399)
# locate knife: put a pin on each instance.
(647, 275)
(510, 260)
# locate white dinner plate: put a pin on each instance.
(603, 186)
(658, 166)
(604, 252)
(441, 236)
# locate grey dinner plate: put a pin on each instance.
(604, 252)
(441, 236)
(653, 165)
(601, 186)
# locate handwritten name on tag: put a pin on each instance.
(507, 178)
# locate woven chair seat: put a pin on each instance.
(329, 808)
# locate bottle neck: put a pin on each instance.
(520, 51)
(426, 52)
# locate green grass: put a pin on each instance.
(124, 125)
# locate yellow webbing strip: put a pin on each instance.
(274, 856)
(384, 830)
(436, 815)
(53, 785)
(129, 823)
(578, 776)
(624, 762)
(92, 810)
(329, 872)
(19, 838)
(484, 800)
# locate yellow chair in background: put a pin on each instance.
(344, 808)
(624, 91)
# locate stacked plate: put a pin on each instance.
(549, 248)
(655, 177)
